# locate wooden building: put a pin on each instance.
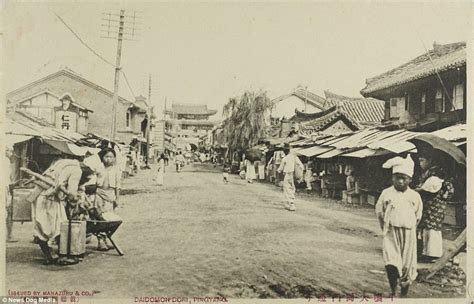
(426, 93)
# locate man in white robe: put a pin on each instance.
(288, 166)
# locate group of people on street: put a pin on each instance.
(410, 218)
(162, 163)
(87, 188)
(410, 212)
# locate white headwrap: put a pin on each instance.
(433, 184)
(400, 165)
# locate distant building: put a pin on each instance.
(69, 101)
(366, 111)
(332, 121)
(189, 122)
(163, 137)
(426, 93)
(300, 100)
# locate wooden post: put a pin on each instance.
(115, 98)
(448, 254)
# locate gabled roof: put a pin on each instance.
(364, 110)
(192, 109)
(40, 92)
(321, 121)
(440, 58)
(71, 74)
(303, 94)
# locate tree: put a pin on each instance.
(245, 119)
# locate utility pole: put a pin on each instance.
(305, 98)
(148, 123)
(122, 22)
(113, 131)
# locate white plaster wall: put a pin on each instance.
(286, 107)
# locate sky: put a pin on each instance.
(205, 53)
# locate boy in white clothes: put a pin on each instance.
(399, 210)
(225, 175)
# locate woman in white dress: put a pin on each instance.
(161, 170)
(250, 172)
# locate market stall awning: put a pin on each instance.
(12, 139)
(452, 133)
(330, 154)
(302, 142)
(70, 148)
(313, 151)
(363, 153)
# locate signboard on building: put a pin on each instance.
(66, 120)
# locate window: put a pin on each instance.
(397, 106)
(127, 122)
(439, 104)
(458, 97)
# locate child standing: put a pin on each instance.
(225, 175)
(399, 211)
(107, 192)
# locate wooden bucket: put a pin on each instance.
(21, 205)
(78, 238)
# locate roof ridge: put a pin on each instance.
(68, 72)
(441, 57)
(462, 43)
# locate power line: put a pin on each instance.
(94, 52)
(82, 41)
(128, 84)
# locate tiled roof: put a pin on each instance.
(441, 58)
(303, 94)
(303, 117)
(364, 110)
(329, 117)
(192, 109)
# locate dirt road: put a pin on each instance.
(197, 236)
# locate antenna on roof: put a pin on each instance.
(437, 74)
(442, 82)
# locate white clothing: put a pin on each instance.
(399, 209)
(289, 187)
(250, 172)
(400, 165)
(161, 172)
(289, 162)
(400, 212)
(432, 243)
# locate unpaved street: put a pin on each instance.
(197, 236)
